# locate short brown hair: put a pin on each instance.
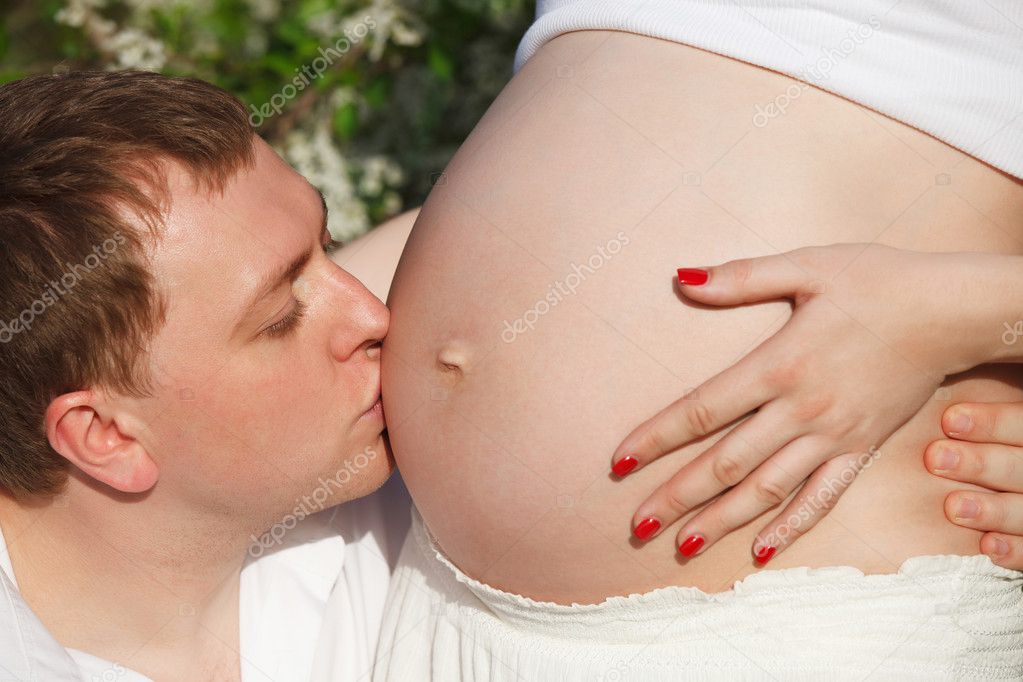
(81, 187)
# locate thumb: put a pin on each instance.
(747, 280)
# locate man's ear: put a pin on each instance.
(81, 427)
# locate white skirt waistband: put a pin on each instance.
(939, 617)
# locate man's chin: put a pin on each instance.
(360, 474)
(375, 474)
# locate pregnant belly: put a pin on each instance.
(535, 322)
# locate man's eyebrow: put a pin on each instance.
(277, 277)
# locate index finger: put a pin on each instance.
(716, 403)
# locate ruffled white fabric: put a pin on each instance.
(943, 617)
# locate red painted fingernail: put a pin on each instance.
(765, 554)
(624, 465)
(692, 276)
(691, 546)
(646, 528)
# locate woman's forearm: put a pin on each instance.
(373, 257)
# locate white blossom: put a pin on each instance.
(77, 12)
(378, 172)
(393, 24)
(137, 50)
(315, 156)
(392, 203)
(131, 41)
(325, 25)
(264, 10)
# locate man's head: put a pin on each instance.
(154, 341)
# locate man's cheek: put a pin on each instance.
(282, 379)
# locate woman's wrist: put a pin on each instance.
(985, 309)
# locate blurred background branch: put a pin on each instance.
(366, 98)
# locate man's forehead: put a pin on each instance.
(252, 204)
(262, 217)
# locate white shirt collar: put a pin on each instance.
(309, 608)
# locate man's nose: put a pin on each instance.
(379, 317)
(361, 322)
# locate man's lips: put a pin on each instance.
(374, 404)
(375, 410)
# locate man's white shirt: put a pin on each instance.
(310, 603)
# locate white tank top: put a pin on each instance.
(951, 68)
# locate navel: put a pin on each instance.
(453, 359)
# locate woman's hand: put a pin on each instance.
(874, 332)
(984, 447)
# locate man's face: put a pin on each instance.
(256, 411)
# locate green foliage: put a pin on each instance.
(385, 90)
